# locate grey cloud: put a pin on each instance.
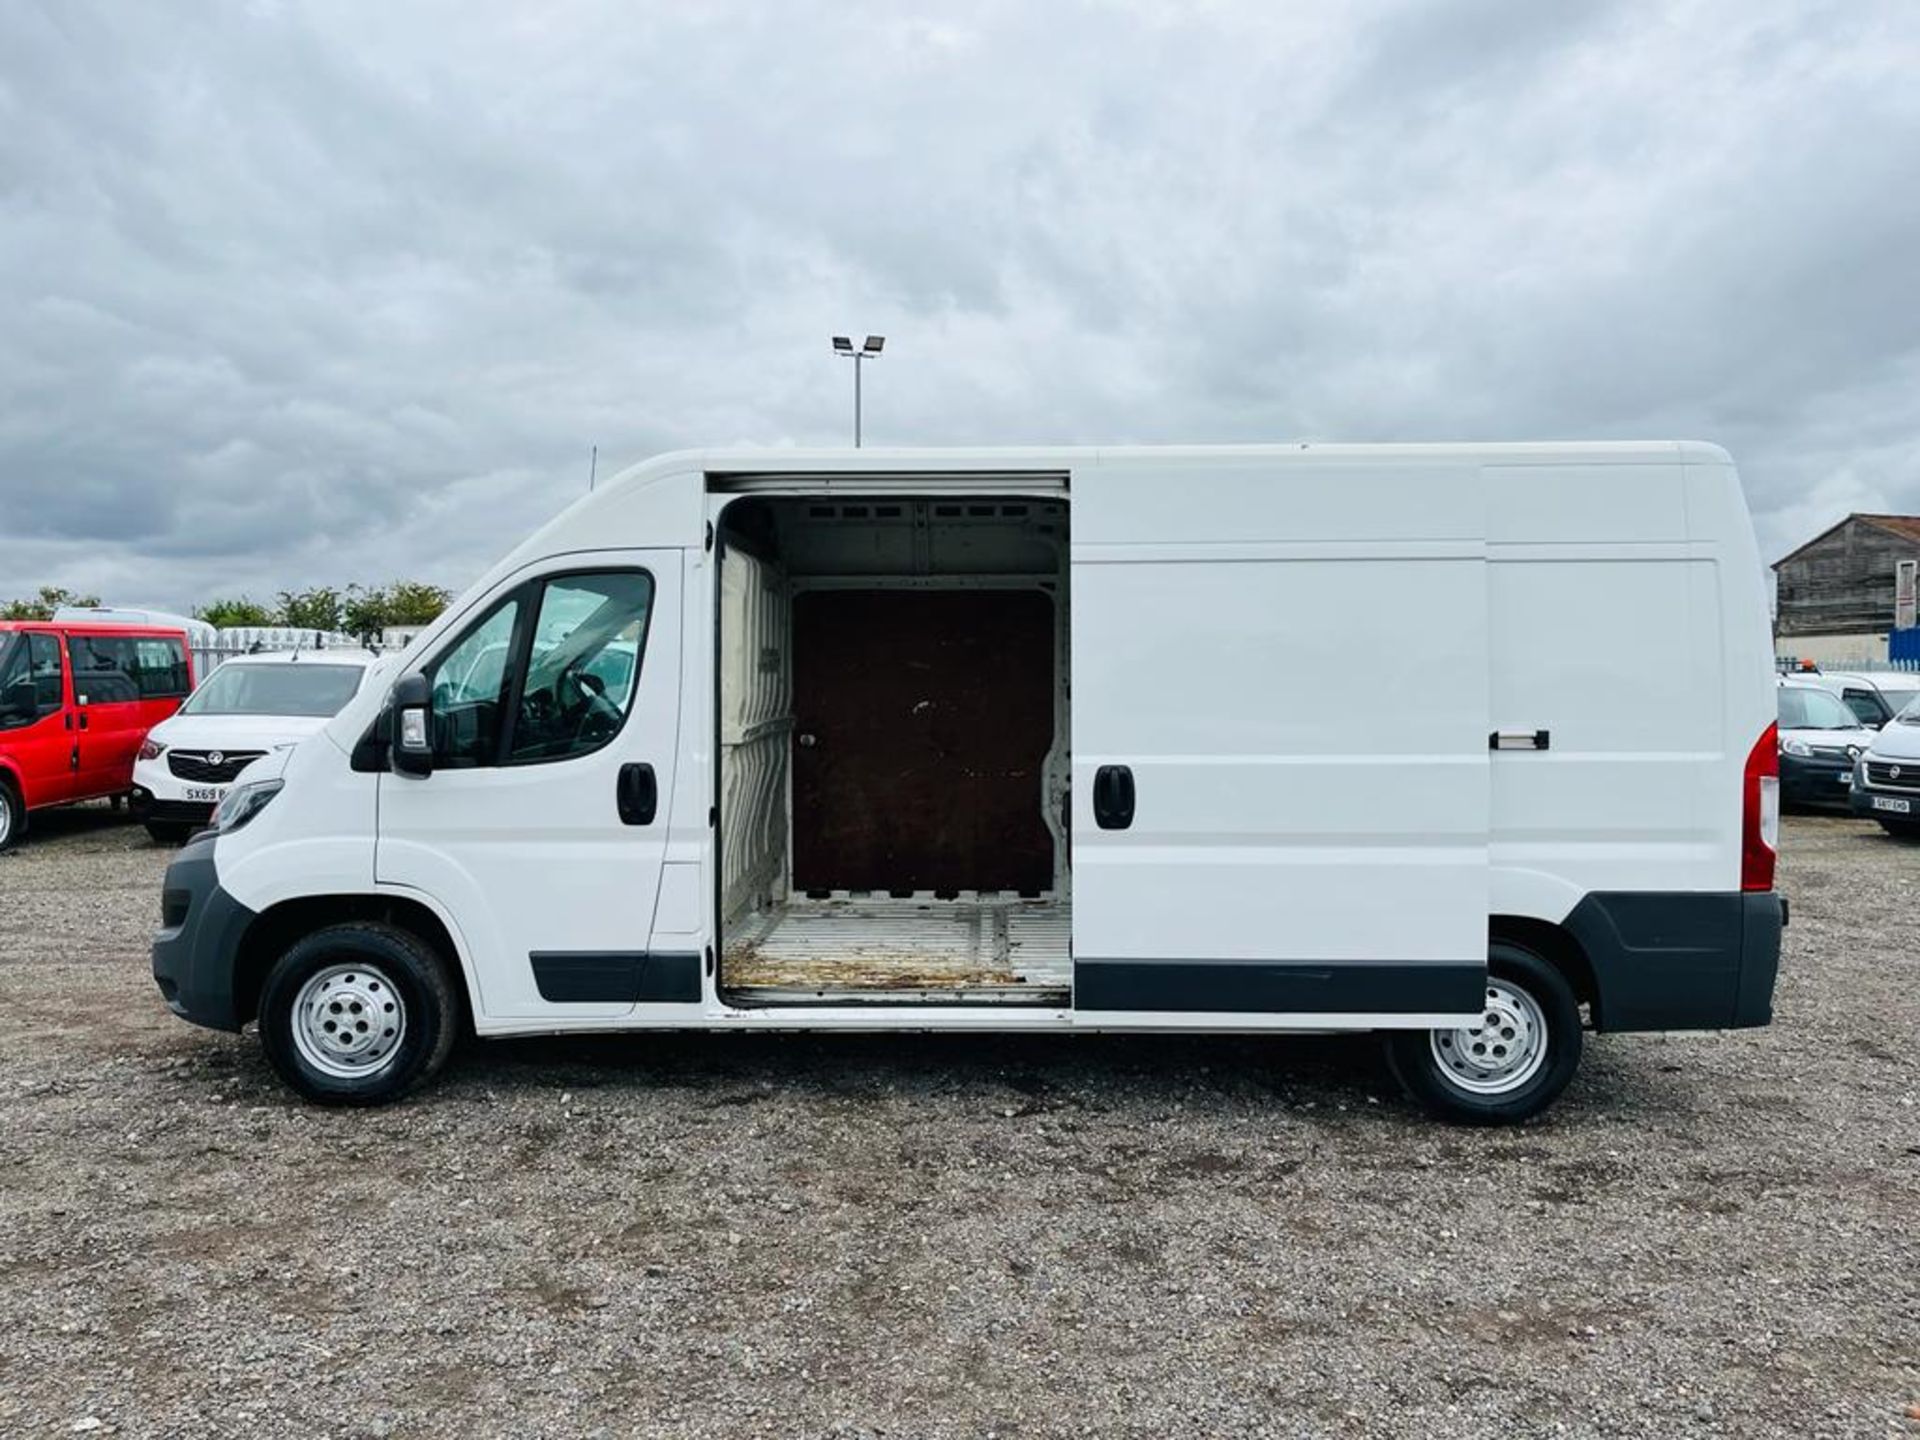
(309, 294)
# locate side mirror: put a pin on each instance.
(411, 708)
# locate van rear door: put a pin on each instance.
(1280, 734)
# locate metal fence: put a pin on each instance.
(211, 651)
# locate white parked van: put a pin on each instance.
(250, 706)
(1875, 696)
(1035, 740)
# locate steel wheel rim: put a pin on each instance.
(349, 1021)
(1501, 1051)
(6, 814)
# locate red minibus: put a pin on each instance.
(76, 700)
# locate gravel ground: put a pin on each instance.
(735, 1236)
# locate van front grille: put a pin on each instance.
(1903, 776)
(202, 768)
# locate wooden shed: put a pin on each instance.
(1848, 579)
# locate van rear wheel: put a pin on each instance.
(1515, 1058)
(358, 1014)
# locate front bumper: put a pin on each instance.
(1865, 795)
(1681, 960)
(149, 809)
(1815, 780)
(196, 950)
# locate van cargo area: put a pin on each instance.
(894, 750)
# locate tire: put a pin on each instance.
(1535, 999)
(13, 815)
(166, 832)
(324, 1004)
(1899, 829)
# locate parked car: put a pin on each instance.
(826, 793)
(1820, 739)
(251, 705)
(1886, 781)
(1875, 696)
(76, 700)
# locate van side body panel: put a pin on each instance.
(1287, 853)
(1629, 621)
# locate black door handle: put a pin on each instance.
(637, 793)
(1113, 797)
(83, 720)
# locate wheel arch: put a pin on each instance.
(279, 926)
(1557, 946)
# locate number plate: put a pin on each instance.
(212, 793)
(1887, 802)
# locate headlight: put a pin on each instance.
(243, 802)
(151, 749)
(1795, 747)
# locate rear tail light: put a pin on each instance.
(1760, 812)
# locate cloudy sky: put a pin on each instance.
(301, 294)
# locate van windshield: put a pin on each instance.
(1814, 710)
(297, 688)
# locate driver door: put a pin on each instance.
(37, 731)
(527, 831)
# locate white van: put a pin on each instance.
(1875, 696)
(251, 705)
(1041, 740)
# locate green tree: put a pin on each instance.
(315, 609)
(50, 599)
(365, 613)
(240, 611)
(368, 611)
(413, 602)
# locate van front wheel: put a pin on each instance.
(13, 815)
(1515, 1058)
(358, 1014)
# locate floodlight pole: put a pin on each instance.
(843, 345)
(857, 358)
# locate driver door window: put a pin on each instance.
(1865, 706)
(48, 693)
(31, 688)
(470, 691)
(582, 663)
(548, 674)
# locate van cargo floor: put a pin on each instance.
(972, 950)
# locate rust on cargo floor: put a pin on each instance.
(747, 968)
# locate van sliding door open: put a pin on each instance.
(1280, 773)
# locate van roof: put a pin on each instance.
(769, 459)
(1878, 679)
(95, 627)
(343, 656)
